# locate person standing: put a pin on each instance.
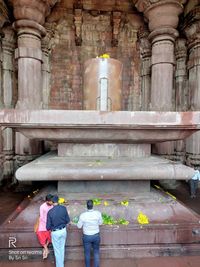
(43, 235)
(90, 221)
(194, 183)
(57, 219)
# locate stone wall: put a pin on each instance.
(67, 59)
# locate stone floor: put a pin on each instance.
(190, 261)
(9, 201)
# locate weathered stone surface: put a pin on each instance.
(169, 231)
(51, 167)
(92, 126)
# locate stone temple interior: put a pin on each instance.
(98, 99)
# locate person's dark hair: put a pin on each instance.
(89, 204)
(55, 199)
(48, 197)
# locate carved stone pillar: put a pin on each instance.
(4, 18)
(1, 63)
(1, 100)
(145, 51)
(30, 16)
(192, 30)
(29, 56)
(181, 90)
(162, 68)
(46, 66)
(8, 45)
(162, 19)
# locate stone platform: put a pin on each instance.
(170, 230)
(51, 167)
(101, 126)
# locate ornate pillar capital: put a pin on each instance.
(160, 13)
(191, 27)
(4, 15)
(35, 10)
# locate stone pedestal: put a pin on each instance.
(99, 155)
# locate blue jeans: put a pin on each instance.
(58, 240)
(193, 187)
(91, 241)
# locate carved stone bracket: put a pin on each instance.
(116, 19)
(191, 27)
(4, 14)
(145, 46)
(78, 18)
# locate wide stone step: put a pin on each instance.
(51, 167)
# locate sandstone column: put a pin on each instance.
(162, 19)
(145, 50)
(192, 30)
(1, 66)
(29, 56)
(30, 16)
(46, 46)
(1, 96)
(181, 90)
(4, 18)
(8, 45)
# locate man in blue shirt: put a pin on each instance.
(57, 219)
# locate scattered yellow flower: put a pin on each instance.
(124, 203)
(142, 218)
(96, 201)
(105, 203)
(61, 200)
(171, 195)
(157, 186)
